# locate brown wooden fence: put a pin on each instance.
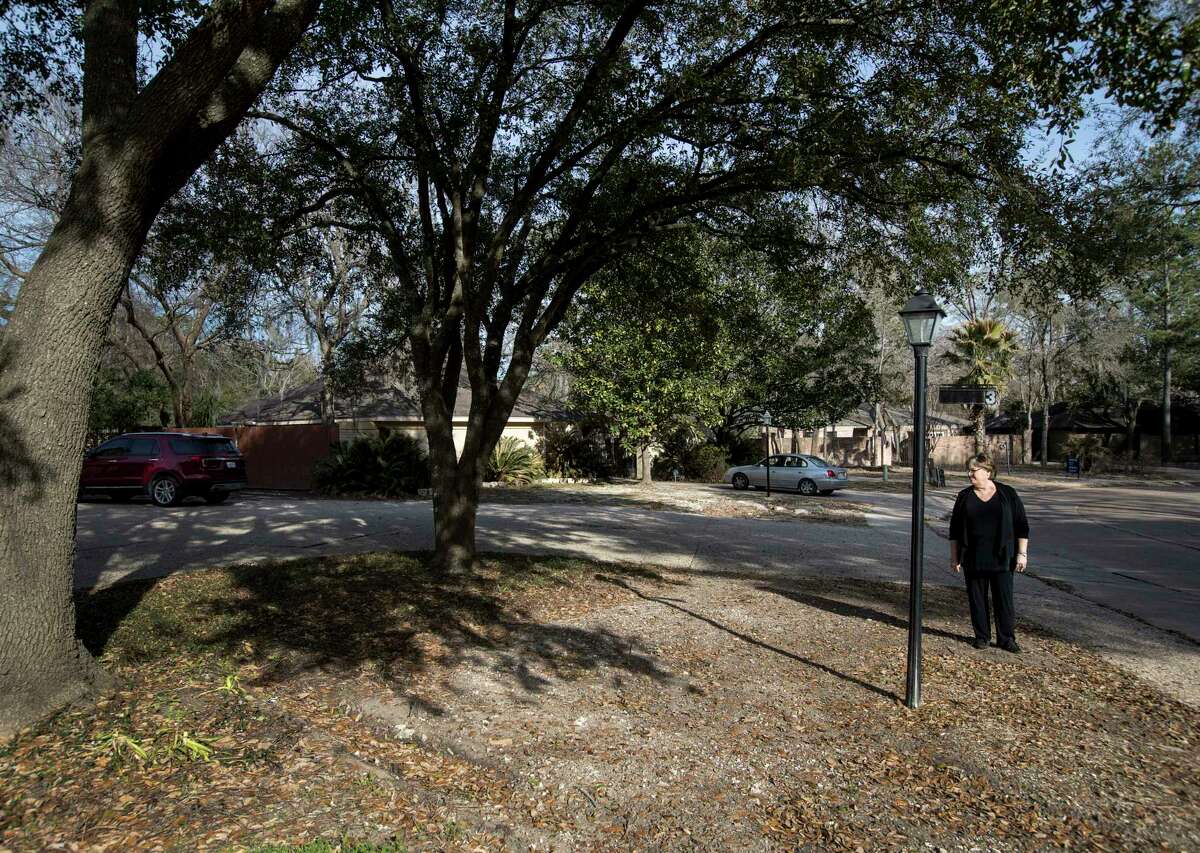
(279, 456)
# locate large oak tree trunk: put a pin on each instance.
(51, 352)
(455, 512)
(138, 150)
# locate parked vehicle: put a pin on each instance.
(809, 475)
(167, 466)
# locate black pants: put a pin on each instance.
(1001, 586)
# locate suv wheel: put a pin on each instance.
(164, 491)
(216, 497)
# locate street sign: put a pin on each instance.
(969, 395)
(1073, 465)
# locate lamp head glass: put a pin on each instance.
(921, 317)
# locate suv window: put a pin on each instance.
(143, 447)
(204, 446)
(110, 449)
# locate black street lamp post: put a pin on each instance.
(921, 316)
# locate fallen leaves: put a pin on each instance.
(542, 706)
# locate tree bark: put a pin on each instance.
(1046, 433)
(979, 428)
(328, 402)
(1165, 454)
(455, 510)
(138, 149)
(647, 465)
(1027, 436)
(51, 352)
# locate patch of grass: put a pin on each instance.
(344, 846)
(375, 609)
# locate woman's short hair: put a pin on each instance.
(982, 460)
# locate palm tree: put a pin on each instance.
(985, 348)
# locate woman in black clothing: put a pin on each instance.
(989, 539)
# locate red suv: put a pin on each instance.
(167, 466)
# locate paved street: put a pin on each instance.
(1123, 552)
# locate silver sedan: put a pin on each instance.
(809, 475)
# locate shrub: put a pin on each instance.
(705, 463)
(391, 466)
(575, 450)
(513, 461)
(746, 449)
(1090, 451)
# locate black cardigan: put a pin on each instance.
(1013, 525)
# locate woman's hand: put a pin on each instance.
(1022, 562)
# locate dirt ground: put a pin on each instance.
(563, 705)
(712, 499)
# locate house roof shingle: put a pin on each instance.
(375, 400)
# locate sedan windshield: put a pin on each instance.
(819, 462)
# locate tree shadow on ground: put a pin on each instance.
(746, 638)
(100, 613)
(884, 603)
(387, 614)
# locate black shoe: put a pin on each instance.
(979, 644)
(1011, 646)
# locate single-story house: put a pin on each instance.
(1068, 421)
(852, 440)
(379, 407)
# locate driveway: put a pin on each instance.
(1117, 567)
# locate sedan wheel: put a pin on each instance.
(165, 491)
(807, 487)
(740, 481)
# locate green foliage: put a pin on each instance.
(745, 448)
(1091, 451)
(187, 746)
(392, 466)
(984, 349)
(576, 450)
(759, 333)
(701, 463)
(345, 845)
(514, 462)
(169, 744)
(120, 747)
(121, 403)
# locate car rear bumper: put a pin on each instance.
(827, 485)
(230, 486)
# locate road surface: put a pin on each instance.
(1116, 568)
